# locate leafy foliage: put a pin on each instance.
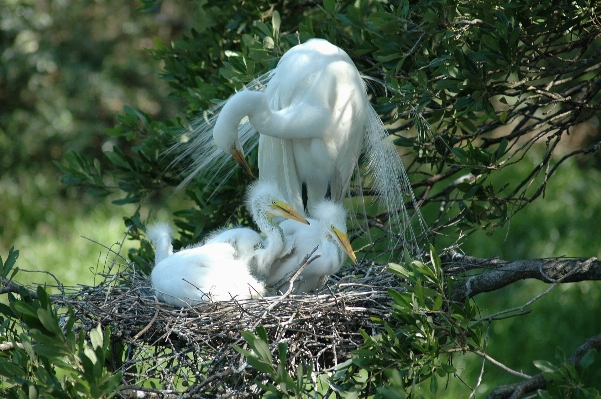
(476, 87)
(424, 331)
(564, 380)
(459, 72)
(46, 346)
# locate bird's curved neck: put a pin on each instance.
(274, 242)
(242, 104)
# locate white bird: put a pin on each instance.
(311, 118)
(161, 235)
(314, 118)
(222, 268)
(327, 232)
(206, 273)
(265, 203)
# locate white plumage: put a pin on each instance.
(223, 267)
(327, 231)
(160, 235)
(266, 203)
(311, 118)
(206, 273)
(314, 119)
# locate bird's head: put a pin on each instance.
(234, 148)
(225, 134)
(344, 242)
(265, 198)
(332, 216)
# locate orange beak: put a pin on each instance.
(239, 157)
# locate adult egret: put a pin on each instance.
(327, 232)
(266, 205)
(314, 118)
(311, 117)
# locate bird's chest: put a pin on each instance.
(314, 159)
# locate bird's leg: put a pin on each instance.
(328, 195)
(304, 195)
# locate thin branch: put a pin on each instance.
(11, 286)
(501, 365)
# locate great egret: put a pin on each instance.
(206, 273)
(160, 234)
(203, 273)
(265, 203)
(222, 267)
(328, 232)
(314, 118)
(311, 118)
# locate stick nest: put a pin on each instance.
(165, 351)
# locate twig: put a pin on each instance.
(11, 286)
(501, 365)
(156, 313)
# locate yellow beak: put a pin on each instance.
(239, 157)
(345, 243)
(285, 210)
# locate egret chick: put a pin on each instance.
(160, 235)
(206, 273)
(327, 232)
(267, 207)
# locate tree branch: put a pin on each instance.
(11, 286)
(518, 390)
(504, 273)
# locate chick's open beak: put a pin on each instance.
(287, 211)
(345, 243)
(239, 157)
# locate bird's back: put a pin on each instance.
(316, 75)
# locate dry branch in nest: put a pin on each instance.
(189, 352)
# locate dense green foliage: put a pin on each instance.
(498, 94)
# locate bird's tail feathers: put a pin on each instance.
(384, 162)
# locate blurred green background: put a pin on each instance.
(67, 68)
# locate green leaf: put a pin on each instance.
(400, 270)
(436, 261)
(260, 365)
(545, 366)
(10, 261)
(419, 292)
(11, 370)
(588, 359)
(24, 308)
(330, 6)
(96, 336)
(263, 351)
(543, 394)
(90, 354)
(50, 351)
(50, 323)
(433, 384)
(401, 298)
